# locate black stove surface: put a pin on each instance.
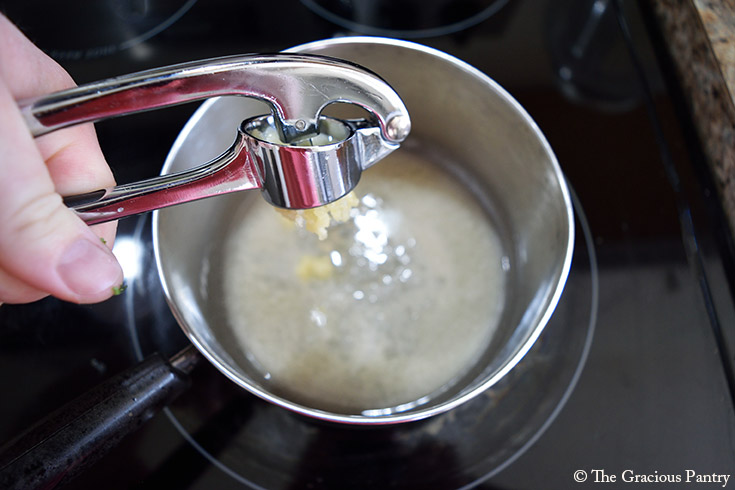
(643, 387)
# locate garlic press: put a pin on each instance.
(297, 157)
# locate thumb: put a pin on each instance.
(44, 247)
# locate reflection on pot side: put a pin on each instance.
(412, 294)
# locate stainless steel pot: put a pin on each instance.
(454, 108)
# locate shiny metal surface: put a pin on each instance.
(297, 179)
(485, 135)
(293, 177)
(296, 88)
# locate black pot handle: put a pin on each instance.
(77, 435)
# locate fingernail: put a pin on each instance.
(89, 268)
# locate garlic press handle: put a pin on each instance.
(296, 86)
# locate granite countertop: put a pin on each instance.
(701, 40)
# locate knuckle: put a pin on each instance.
(37, 219)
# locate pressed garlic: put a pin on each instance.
(314, 267)
(317, 220)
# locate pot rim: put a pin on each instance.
(414, 413)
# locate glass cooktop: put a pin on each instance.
(632, 375)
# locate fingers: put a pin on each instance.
(73, 156)
(44, 247)
(42, 243)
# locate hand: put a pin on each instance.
(44, 247)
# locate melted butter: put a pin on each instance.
(393, 306)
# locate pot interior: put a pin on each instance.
(463, 123)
